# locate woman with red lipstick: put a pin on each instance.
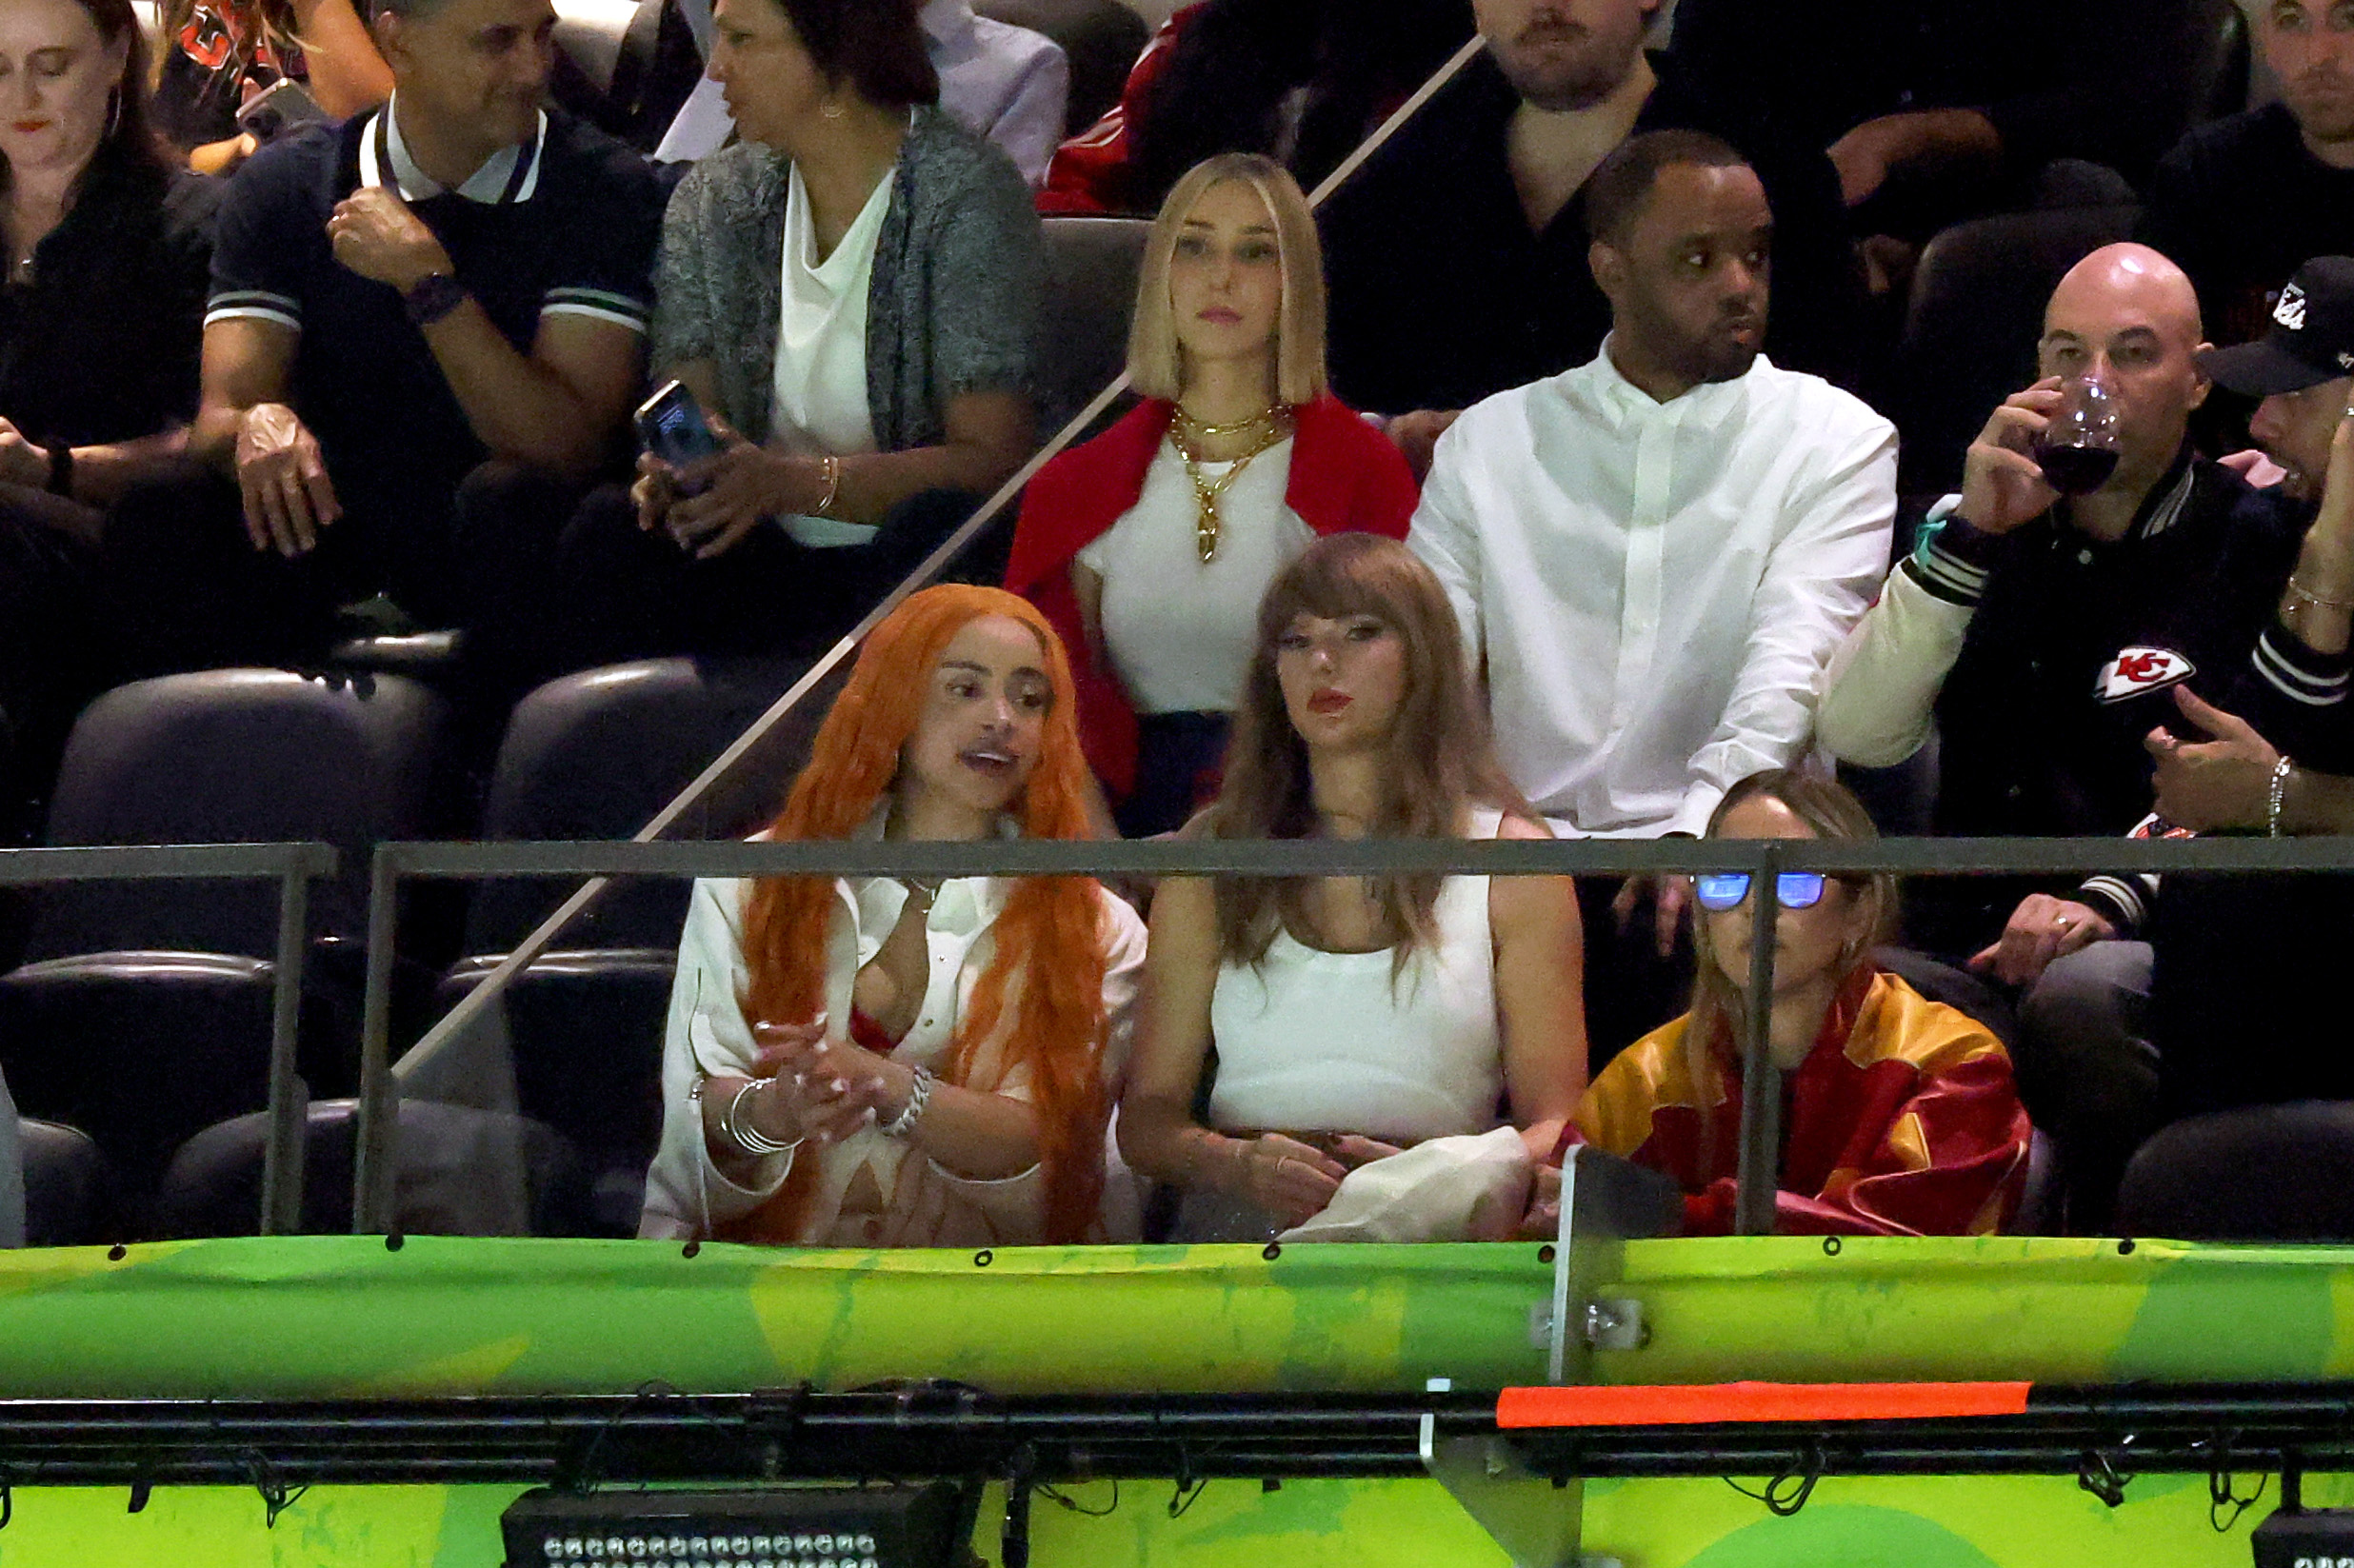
(870, 1061)
(101, 309)
(1149, 547)
(1351, 1016)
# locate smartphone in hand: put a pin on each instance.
(671, 425)
(282, 106)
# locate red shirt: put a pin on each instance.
(1346, 477)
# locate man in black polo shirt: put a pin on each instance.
(1457, 257)
(2041, 635)
(455, 286)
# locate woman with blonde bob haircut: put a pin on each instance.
(1351, 1016)
(1149, 548)
(878, 1062)
(1901, 1115)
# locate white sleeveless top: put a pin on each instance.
(1323, 1041)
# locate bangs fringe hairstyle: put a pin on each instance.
(1440, 762)
(1720, 1007)
(1045, 981)
(1155, 361)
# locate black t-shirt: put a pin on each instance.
(101, 344)
(2240, 205)
(2108, 80)
(1441, 294)
(571, 230)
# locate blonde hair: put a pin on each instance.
(1720, 1005)
(1155, 361)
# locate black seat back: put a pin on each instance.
(596, 754)
(451, 1162)
(238, 756)
(2260, 1173)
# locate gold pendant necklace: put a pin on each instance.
(1185, 434)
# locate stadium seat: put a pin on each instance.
(1091, 269)
(1976, 311)
(70, 1186)
(146, 1011)
(239, 756)
(2260, 1173)
(595, 755)
(445, 1156)
(1102, 39)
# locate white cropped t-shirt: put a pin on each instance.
(1311, 1040)
(1179, 630)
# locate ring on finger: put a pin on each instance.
(1281, 1162)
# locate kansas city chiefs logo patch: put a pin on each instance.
(2136, 672)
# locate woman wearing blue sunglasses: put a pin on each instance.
(1901, 1119)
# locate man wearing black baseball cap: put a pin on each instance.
(2302, 368)
(2243, 965)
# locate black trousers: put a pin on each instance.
(54, 655)
(619, 592)
(1630, 989)
(190, 592)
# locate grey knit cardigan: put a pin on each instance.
(953, 306)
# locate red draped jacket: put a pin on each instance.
(1346, 477)
(1902, 1120)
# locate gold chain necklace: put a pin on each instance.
(1185, 434)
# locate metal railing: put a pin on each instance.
(479, 999)
(294, 867)
(1764, 859)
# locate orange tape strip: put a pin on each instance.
(1690, 1404)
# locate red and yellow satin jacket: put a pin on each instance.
(1902, 1120)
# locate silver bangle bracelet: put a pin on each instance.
(2276, 796)
(919, 1095)
(751, 1140)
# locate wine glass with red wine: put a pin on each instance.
(2078, 449)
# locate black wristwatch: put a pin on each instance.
(61, 469)
(435, 295)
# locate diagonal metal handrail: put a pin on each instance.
(294, 867)
(1764, 860)
(478, 1000)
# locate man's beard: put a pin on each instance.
(1578, 83)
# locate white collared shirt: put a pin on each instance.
(496, 181)
(1654, 588)
(1007, 84)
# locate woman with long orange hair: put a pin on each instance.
(870, 1061)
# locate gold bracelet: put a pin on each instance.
(829, 468)
(2297, 590)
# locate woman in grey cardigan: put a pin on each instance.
(851, 294)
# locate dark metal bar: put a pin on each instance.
(157, 862)
(372, 1174)
(289, 1098)
(1760, 1168)
(767, 1437)
(1359, 857)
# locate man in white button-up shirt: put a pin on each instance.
(1656, 553)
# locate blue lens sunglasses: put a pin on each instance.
(1721, 890)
